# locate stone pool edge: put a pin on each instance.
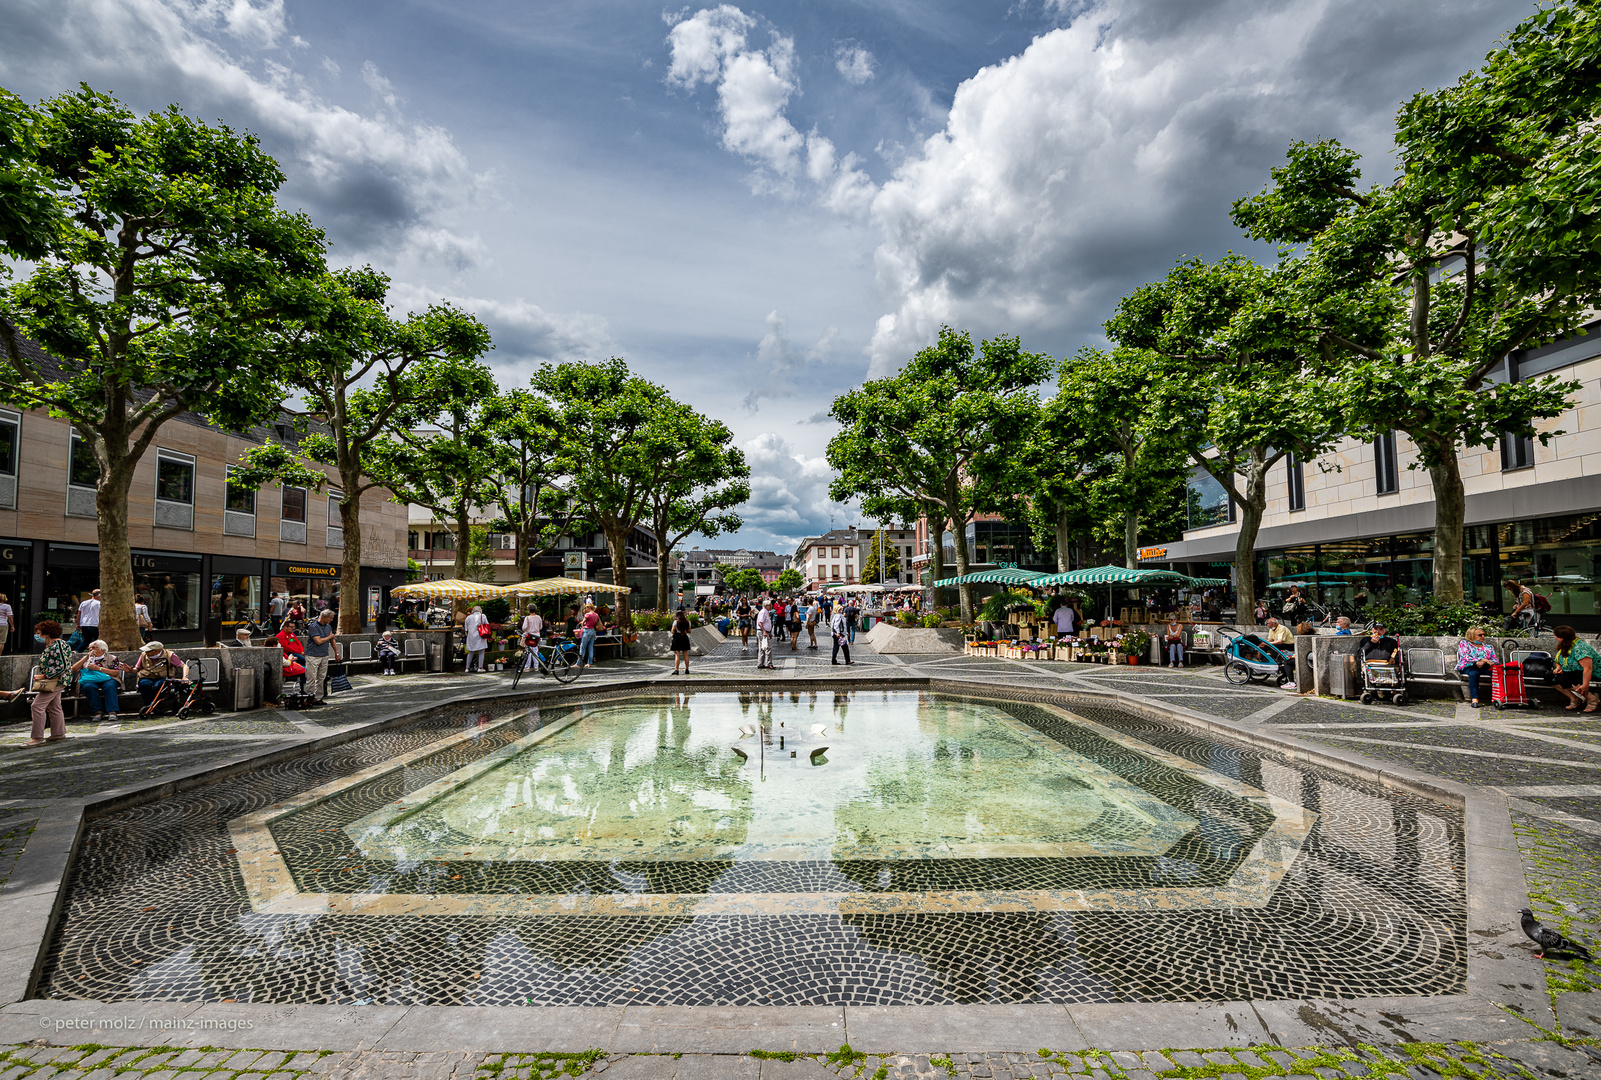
(1499, 964)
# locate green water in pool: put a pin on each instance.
(898, 775)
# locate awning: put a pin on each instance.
(992, 577)
(449, 589)
(562, 586)
(1113, 575)
(855, 588)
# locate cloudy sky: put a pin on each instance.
(761, 205)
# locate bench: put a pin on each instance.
(414, 649)
(1434, 666)
(359, 652)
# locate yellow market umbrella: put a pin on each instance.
(450, 589)
(560, 586)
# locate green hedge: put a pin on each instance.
(1432, 618)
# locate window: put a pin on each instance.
(836, 553)
(82, 470)
(414, 541)
(175, 478)
(336, 529)
(8, 443)
(1297, 482)
(1207, 502)
(294, 504)
(241, 500)
(1517, 452)
(1384, 463)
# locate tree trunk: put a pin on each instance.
(118, 625)
(1450, 508)
(1251, 512)
(963, 562)
(615, 541)
(1131, 539)
(663, 558)
(350, 613)
(1064, 538)
(936, 550)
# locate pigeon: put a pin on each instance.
(1549, 940)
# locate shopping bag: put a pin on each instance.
(340, 681)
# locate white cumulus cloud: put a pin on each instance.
(782, 362)
(789, 492)
(854, 63)
(378, 184)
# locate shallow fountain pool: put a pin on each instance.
(804, 848)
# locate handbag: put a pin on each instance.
(42, 685)
(483, 630)
(340, 681)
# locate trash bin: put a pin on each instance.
(436, 657)
(867, 623)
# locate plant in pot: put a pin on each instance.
(1136, 643)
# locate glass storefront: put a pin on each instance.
(168, 586)
(314, 586)
(236, 600)
(16, 568)
(1560, 557)
(1206, 503)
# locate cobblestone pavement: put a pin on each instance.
(1548, 762)
(1542, 1059)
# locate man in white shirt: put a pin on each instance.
(764, 636)
(1065, 620)
(840, 625)
(89, 617)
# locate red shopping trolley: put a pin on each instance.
(1506, 686)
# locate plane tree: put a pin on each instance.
(158, 271)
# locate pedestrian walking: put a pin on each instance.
(89, 616)
(141, 615)
(8, 621)
(764, 636)
(839, 626)
(320, 649)
(746, 623)
(275, 612)
(811, 623)
(796, 610)
(680, 641)
(55, 665)
(476, 630)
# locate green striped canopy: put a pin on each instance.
(1113, 575)
(992, 577)
(1209, 581)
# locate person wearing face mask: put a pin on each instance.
(55, 666)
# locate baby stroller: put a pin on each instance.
(1248, 658)
(1381, 679)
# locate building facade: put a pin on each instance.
(1364, 511)
(205, 558)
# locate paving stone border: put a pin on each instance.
(1505, 985)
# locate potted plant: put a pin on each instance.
(1136, 643)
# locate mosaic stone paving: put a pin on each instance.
(1372, 903)
(16, 825)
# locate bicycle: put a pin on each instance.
(559, 660)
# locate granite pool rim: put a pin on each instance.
(1500, 963)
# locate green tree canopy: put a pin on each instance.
(698, 477)
(362, 373)
(872, 572)
(162, 270)
(525, 478)
(1487, 243)
(1238, 392)
(938, 433)
(791, 580)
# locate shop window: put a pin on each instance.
(83, 474)
(1384, 474)
(1517, 452)
(1297, 478)
(235, 602)
(10, 430)
(173, 599)
(175, 490)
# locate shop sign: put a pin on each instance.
(1153, 553)
(146, 563)
(283, 569)
(16, 551)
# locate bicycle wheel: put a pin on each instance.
(1237, 673)
(522, 662)
(564, 665)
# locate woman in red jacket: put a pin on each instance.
(292, 647)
